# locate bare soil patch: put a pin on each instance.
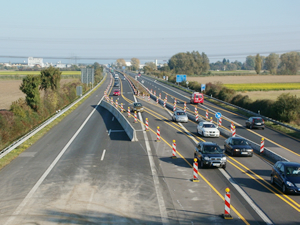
(247, 79)
(10, 91)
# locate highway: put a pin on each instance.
(252, 174)
(85, 170)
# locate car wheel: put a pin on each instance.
(272, 179)
(251, 126)
(224, 167)
(283, 188)
(202, 134)
(263, 128)
(251, 154)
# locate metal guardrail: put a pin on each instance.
(24, 138)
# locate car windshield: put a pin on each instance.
(239, 142)
(209, 125)
(138, 104)
(258, 120)
(293, 171)
(212, 149)
(180, 113)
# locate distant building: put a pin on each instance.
(35, 62)
(60, 65)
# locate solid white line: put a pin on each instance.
(159, 195)
(43, 177)
(246, 197)
(103, 154)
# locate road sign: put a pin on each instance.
(218, 115)
(202, 87)
(180, 78)
(123, 67)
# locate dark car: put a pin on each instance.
(210, 154)
(117, 84)
(287, 176)
(255, 122)
(137, 106)
(238, 146)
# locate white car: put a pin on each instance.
(208, 129)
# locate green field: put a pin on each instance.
(263, 86)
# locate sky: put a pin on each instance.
(103, 31)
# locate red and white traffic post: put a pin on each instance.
(174, 150)
(159, 95)
(196, 110)
(231, 127)
(143, 95)
(184, 107)
(156, 100)
(112, 101)
(117, 105)
(154, 92)
(128, 111)
(158, 134)
(206, 114)
(174, 107)
(211, 119)
(147, 125)
(197, 116)
(148, 97)
(233, 132)
(220, 121)
(165, 103)
(122, 107)
(226, 214)
(195, 171)
(135, 117)
(262, 146)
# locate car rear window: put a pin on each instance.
(212, 149)
(180, 113)
(209, 125)
(258, 120)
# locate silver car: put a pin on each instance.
(180, 116)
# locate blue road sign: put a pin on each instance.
(180, 78)
(218, 115)
(123, 67)
(202, 87)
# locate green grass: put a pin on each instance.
(263, 86)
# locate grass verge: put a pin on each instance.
(17, 151)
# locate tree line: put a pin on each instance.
(194, 63)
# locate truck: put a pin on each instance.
(197, 97)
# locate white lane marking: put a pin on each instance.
(246, 197)
(159, 195)
(43, 177)
(103, 154)
(109, 132)
(113, 118)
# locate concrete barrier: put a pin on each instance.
(130, 131)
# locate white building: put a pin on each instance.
(35, 61)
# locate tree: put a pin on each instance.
(120, 63)
(272, 62)
(258, 62)
(250, 62)
(135, 63)
(50, 78)
(290, 63)
(151, 65)
(30, 87)
(189, 63)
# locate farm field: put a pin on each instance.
(10, 91)
(20, 73)
(247, 79)
(272, 95)
(263, 86)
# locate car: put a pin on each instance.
(197, 97)
(208, 129)
(255, 122)
(238, 146)
(117, 84)
(180, 116)
(287, 176)
(137, 106)
(209, 154)
(117, 92)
